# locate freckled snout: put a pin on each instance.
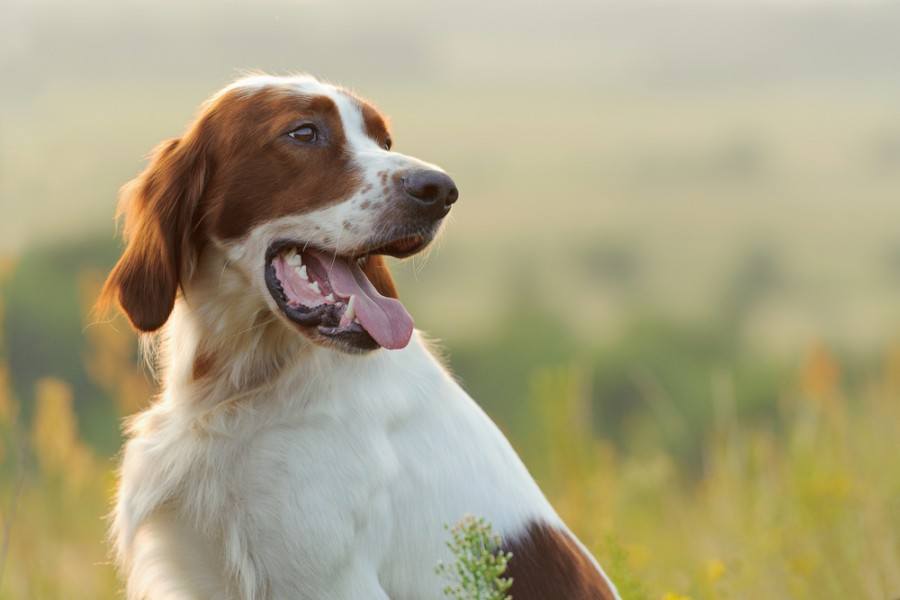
(431, 193)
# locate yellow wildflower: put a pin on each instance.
(54, 434)
(715, 569)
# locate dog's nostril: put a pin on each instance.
(429, 192)
(431, 188)
(452, 197)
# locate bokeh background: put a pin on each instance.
(672, 277)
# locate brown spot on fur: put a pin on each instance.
(547, 563)
(366, 203)
(375, 123)
(383, 176)
(203, 364)
(366, 188)
(348, 225)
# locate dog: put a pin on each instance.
(307, 443)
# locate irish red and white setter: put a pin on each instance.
(306, 444)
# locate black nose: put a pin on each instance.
(433, 191)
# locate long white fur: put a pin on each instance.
(299, 471)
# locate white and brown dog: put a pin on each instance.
(306, 444)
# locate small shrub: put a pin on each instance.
(477, 573)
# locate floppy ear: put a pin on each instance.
(377, 271)
(159, 208)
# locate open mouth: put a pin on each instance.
(333, 295)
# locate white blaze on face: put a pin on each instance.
(353, 223)
(356, 220)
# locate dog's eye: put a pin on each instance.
(388, 142)
(305, 133)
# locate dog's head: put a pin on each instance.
(294, 181)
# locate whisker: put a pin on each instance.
(255, 325)
(337, 244)
(225, 266)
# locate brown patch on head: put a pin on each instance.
(376, 124)
(234, 168)
(547, 563)
(263, 174)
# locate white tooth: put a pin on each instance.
(351, 312)
(294, 259)
(301, 271)
(314, 286)
(330, 297)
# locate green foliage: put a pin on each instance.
(47, 300)
(617, 568)
(477, 573)
(692, 465)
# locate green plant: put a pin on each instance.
(477, 573)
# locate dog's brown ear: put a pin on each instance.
(377, 271)
(159, 208)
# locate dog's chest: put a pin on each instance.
(328, 463)
(308, 494)
(350, 480)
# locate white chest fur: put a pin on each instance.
(333, 483)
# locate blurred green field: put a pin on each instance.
(693, 468)
(672, 276)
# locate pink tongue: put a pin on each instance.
(385, 319)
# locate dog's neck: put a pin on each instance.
(222, 343)
(221, 339)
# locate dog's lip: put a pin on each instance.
(402, 247)
(398, 247)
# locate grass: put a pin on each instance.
(807, 506)
(807, 510)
